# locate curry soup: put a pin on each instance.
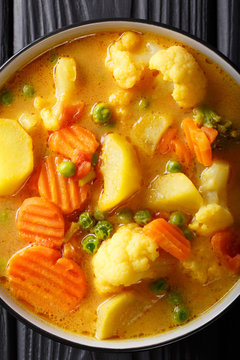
(119, 185)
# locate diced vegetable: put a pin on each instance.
(42, 278)
(166, 140)
(210, 132)
(226, 245)
(173, 166)
(28, 121)
(90, 244)
(70, 113)
(124, 216)
(40, 222)
(198, 142)
(169, 238)
(148, 130)
(173, 192)
(16, 156)
(158, 286)
(88, 178)
(114, 314)
(6, 97)
(187, 233)
(174, 297)
(86, 221)
(180, 314)
(118, 161)
(65, 76)
(62, 191)
(182, 152)
(103, 230)
(177, 219)
(28, 91)
(142, 217)
(74, 142)
(101, 113)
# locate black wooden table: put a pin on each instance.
(215, 21)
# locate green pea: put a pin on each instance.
(4, 216)
(143, 104)
(90, 244)
(6, 97)
(94, 159)
(158, 286)
(67, 168)
(174, 297)
(180, 314)
(103, 229)
(142, 217)
(187, 233)
(177, 219)
(99, 215)
(28, 91)
(124, 215)
(173, 166)
(53, 59)
(101, 113)
(86, 221)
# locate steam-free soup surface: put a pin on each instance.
(162, 136)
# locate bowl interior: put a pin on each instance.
(25, 56)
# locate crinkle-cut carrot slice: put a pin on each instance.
(62, 191)
(166, 140)
(169, 238)
(70, 113)
(182, 152)
(74, 142)
(226, 246)
(42, 278)
(210, 132)
(41, 222)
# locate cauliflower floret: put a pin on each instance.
(178, 65)
(121, 63)
(202, 264)
(124, 259)
(211, 218)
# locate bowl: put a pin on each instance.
(19, 60)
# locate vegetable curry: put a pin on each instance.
(119, 185)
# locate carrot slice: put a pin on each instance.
(169, 238)
(43, 279)
(41, 222)
(210, 132)
(71, 113)
(83, 169)
(198, 142)
(182, 152)
(62, 191)
(166, 140)
(74, 142)
(226, 246)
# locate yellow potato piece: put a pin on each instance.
(148, 130)
(174, 192)
(120, 171)
(115, 314)
(65, 77)
(16, 156)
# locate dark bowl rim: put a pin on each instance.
(20, 317)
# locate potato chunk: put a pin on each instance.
(16, 156)
(148, 130)
(120, 171)
(172, 192)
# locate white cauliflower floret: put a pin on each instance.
(126, 71)
(124, 259)
(202, 264)
(211, 218)
(177, 65)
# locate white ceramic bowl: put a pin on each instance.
(26, 55)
